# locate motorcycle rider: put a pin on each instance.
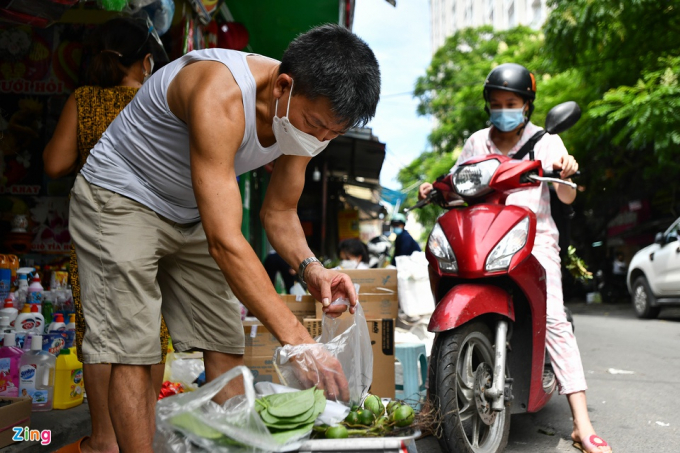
(509, 94)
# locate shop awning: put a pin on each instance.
(273, 24)
(357, 157)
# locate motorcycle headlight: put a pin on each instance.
(439, 246)
(500, 257)
(473, 180)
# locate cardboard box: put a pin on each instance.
(381, 332)
(379, 305)
(301, 306)
(262, 368)
(370, 280)
(18, 413)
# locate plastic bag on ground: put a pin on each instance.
(413, 284)
(192, 422)
(347, 339)
(184, 367)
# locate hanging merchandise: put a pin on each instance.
(210, 35)
(232, 35)
(160, 12)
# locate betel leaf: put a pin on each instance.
(304, 417)
(290, 404)
(319, 402)
(284, 436)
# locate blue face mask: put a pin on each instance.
(507, 120)
(397, 230)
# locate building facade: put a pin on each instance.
(449, 16)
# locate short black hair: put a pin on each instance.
(333, 62)
(354, 247)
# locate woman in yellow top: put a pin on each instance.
(123, 52)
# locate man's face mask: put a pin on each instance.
(507, 120)
(291, 140)
(398, 230)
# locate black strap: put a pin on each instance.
(529, 145)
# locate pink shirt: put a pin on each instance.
(548, 150)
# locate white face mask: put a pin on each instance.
(146, 77)
(291, 140)
(348, 264)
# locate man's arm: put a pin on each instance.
(213, 111)
(284, 231)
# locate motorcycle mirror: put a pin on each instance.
(562, 117)
(658, 239)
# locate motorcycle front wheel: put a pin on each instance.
(460, 363)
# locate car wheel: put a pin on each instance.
(643, 300)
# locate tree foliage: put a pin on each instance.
(618, 60)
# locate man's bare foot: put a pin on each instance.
(87, 446)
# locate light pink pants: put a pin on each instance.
(560, 340)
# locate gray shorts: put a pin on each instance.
(134, 265)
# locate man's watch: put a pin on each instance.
(303, 267)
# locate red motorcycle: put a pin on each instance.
(489, 357)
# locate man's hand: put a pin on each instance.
(424, 190)
(314, 365)
(327, 285)
(567, 164)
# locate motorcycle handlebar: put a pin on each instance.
(556, 174)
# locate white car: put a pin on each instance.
(654, 274)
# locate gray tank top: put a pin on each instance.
(144, 153)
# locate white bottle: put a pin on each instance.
(36, 375)
(22, 291)
(5, 326)
(35, 291)
(9, 311)
(58, 324)
(25, 322)
(38, 318)
(71, 330)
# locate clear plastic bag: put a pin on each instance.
(347, 339)
(192, 422)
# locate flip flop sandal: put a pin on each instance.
(592, 442)
(72, 448)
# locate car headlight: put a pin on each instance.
(501, 255)
(473, 180)
(439, 246)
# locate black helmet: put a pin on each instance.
(511, 77)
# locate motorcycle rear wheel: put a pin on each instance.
(455, 358)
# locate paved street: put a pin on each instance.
(636, 413)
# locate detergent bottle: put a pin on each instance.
(38, 318)
(36, 375)
(35, 291)
(68, 386)
(22, 286)
(10, 358)
(58, 323)
(71, 330)
(9, 311)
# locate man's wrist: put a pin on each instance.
(302, 269)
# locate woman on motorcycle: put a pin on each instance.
(509, 92)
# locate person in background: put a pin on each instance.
(353, 254)
(619, 266)
(123, 53)
(273, 263)
(404, 244)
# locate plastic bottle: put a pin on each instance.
(10, 362)
(71, 330)
(38, 318)
(25, 322)
(13, 262)
(35, 291)
(22, 290)
(58, 324)
(68, 386)
(9, 311)
(5, 277)
(47, 311)
(5, 327)
(36, 375)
